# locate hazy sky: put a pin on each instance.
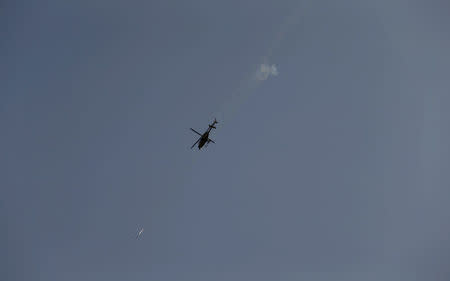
(335, 169)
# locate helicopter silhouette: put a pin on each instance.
(204, 138)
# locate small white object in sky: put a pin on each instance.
(265, 70)
(139, 233)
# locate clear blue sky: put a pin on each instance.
(335, 169)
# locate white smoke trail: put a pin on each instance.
(247, 87)
(265, 71)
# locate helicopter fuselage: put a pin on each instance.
(203, 140)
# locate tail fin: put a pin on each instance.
(215, 122)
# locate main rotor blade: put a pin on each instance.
(195, 143)
(210, 140)
(196, 132)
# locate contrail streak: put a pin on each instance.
(260, 72)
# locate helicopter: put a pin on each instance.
(204, 138)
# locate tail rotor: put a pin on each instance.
(215, 122)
